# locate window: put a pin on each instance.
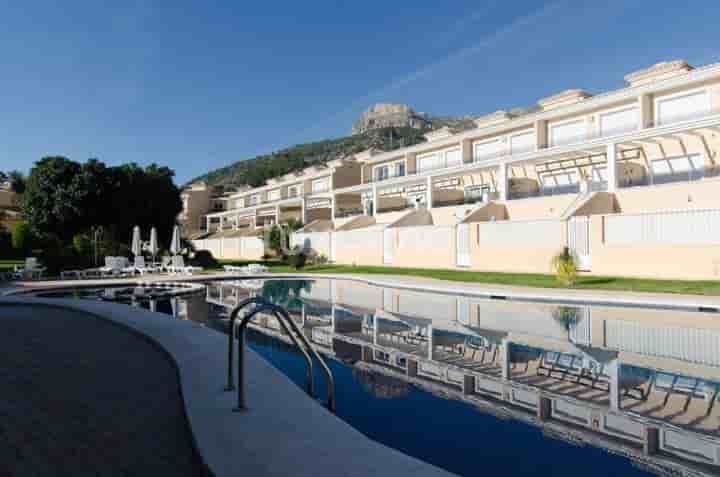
(618, 122)
(428, 162)
(388, 171)
(274, 194)
(453, 157)
(487, 149)
(294, 191)
(522, 142)
(681, 107)
(568, 133)
(320, 185)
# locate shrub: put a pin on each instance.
(6, 248)
(297, 258)
(82, 244)
(204, 259)
(565, 267)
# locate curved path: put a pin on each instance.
(82, 396)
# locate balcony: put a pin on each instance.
(686, 116)
(546, 191)
(477, 159)
(343, 213)
(672, 177)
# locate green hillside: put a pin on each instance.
(256, 170)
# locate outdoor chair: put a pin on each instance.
(31, 270)
(178, 266)
(141, 267)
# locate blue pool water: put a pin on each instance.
(447, 433)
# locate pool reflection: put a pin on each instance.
(643, 383)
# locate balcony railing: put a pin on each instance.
(546, 191)
(342, 213)
(671, 177)
(489, 157)
(689, 116)
(396, 208)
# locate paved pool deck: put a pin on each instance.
(598, 297)
(283, 431)
(83, 397)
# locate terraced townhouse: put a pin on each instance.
(627, 179)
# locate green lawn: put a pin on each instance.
(708, 287)
(6, 265)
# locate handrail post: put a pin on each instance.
(230, 385)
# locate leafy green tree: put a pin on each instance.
(64, 198)
(22, 239)
(55, 197)
(17, 181)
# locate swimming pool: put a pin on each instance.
(479, 385)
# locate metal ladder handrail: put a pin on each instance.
(262, 305)
(255, 300)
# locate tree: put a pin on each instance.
(64, 198)
(17, 181)
(22, 238)
(54, 198)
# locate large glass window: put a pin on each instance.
(487, 149)
(618, 122)
(568, 133)
(679, 108)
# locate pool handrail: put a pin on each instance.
(262, 305)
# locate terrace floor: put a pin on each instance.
(81, 396)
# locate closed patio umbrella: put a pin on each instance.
(175, 242)
(135, 247)
(153, 247)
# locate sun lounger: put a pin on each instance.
(178, 266)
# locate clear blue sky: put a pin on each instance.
(199, 85)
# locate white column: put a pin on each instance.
(611, 156)
(429, 192)
(303, 210)
(375, 199)
(277, 215)
(502, 182)
(222, 223)
(376, 322)
(332, 318)
(430, 341)
(645, 107)
(207, 219)
(613, 370)
(505, 358)
(332, 208)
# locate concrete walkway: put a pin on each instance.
(283, 432)
(83, 397)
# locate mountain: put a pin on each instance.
(376, 135)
